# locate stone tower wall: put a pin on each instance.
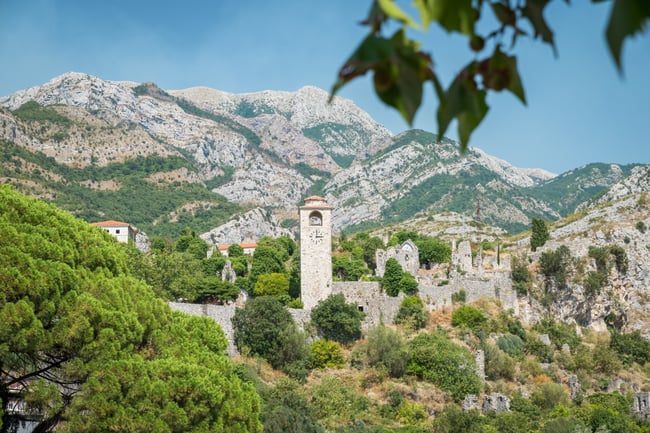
(315, 252)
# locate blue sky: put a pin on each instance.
(579, 109)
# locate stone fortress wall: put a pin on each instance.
(485, 275)
(478, 277)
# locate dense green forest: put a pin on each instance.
(89, 347)
(138, 201)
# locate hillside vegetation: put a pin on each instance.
(88, 347)
(91, 346)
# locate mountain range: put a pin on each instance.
(166, 159)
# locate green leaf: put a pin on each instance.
(465, 102)
(500, 72)
(452, 15)
(504, 14)
(400, 70)
(534, 12)
(393, 11)
(628, 17)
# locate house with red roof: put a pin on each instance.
(123, 232)
(248, 247)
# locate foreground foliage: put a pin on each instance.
(77, 329)
(400, 68)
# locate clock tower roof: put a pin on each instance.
(316, 202)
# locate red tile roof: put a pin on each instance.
(245, 245)
(110, 223)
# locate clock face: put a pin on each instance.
(316, 236)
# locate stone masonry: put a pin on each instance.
(407, 255)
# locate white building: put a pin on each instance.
(123, 232)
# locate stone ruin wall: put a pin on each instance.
(475, 286)
(379, 308)
(369, 297)
(406, 254)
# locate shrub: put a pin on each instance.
(468, 317)
(560, 333)
(412, 313)
(265, 327)
(274, 284)
(565, 425)
(511, 344)
(324, 353)
(630, 347)
(640, 226)
(437, 359)
(335, 401)
(459, 297)
(386, 350)
(548, 395)
(520, 275)
(555, 265)
(594, 282)
(620, 258)
(534, 346)
(337, 320)
(455, 420)
(498, 365)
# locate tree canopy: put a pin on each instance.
(77, 327)
(492, 28)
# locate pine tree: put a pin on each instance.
(540, 234)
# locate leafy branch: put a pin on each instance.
(400, 68)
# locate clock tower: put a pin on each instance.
(315, 251)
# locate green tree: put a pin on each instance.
(267, 260)
(326, 354)
(286, 410)
(392, 279)
(468, 317)
(437, 359)
(266, 329)
(370, 247)
(555, 265)
(433, 250)
(235, 250)
(348, 268)
(337, 320)
(401, 68)
(77, 328)
(272, 285)
(412, 313)
(539, 234)
(386, 350)
(185, 389)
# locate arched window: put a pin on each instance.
(315, 219)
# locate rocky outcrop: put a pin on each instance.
(250, 226)
(625, 296)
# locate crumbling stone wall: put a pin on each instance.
(496, 286)
(407, 255)
(369, 298)
(641, 405)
